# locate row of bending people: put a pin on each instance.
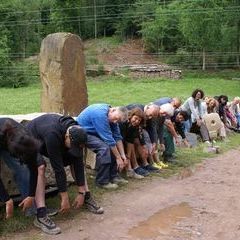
(122, 137)
(129, 137)
(197, 106)
(23, 149)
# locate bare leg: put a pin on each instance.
(132, 156)
(40, 190)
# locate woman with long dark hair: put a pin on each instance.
(19, 150)
(193, 106)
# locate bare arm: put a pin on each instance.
(119, 160)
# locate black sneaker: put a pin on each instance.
(141, 171)
(151, 169)
(47, 225)
(92, 205)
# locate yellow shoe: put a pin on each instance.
(156, 165)
(162, 164)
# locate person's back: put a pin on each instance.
(50, 128)
(162, 101)
(93, 116)
(96, 121)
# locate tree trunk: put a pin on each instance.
(203, 59)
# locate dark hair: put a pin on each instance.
(137, 112)
(184, 114)
(20, 143)
(224, 97)
(194, 93)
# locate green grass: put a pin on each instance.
(20, 100)
(122, 91)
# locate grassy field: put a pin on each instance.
(122, 91)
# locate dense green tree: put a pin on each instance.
(231, 31)
(134, 16)
(162, 33)
(200, 24)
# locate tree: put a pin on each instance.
(231, 30)
(200, 25)
(134, 16)
(162, 33)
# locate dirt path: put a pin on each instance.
(204, 206)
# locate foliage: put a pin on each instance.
(138, 13)
(206, 31)
(161, 33)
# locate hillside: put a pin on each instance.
(110, 53)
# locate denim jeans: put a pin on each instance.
(106, 165)
(20, 172)
(238, 119)
(187, 125)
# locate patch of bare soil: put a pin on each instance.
(203, 205)
(131, 52)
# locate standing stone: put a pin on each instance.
(62, 71)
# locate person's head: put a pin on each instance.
(182, 116)
(19, 142)
(136, 116)
(212, 103)
(176, 102)
(198, 94)
(166, 110)
(151, 110)
(236, 100)
(117, 114)
(223, 99)
(75, 138)
(206, 99)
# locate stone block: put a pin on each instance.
(62, 72)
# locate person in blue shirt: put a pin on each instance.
(175, 102)
(100, 121)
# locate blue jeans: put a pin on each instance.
(238, 119)
(187, 125)
(106, 165)
(20, 172)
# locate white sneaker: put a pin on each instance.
(207, 143)
(108, 186)
(119, 180)
(132, 174)
(47, 225)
